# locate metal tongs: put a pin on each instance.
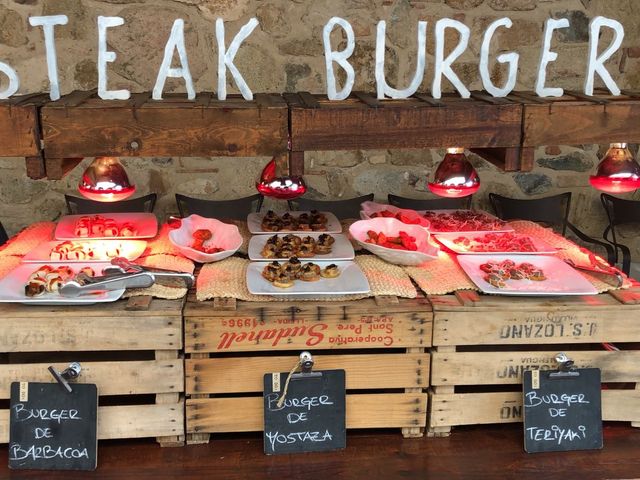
(611, 274)
(124, 274)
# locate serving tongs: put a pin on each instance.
(164, 277)
(124, 274)
(609, 274)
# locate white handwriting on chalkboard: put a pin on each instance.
(532, 399)
(304, 402)
(17, 452)
(557, 434)
(22, 414)
(281, 438)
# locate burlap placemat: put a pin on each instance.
(166, 262)
(567, 250)
(246, 236)
(28, 239)
(440, 276)
(160, 244)
(385, 278)
(227, 278)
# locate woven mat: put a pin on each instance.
(246, 236)
(227, 278)
(28, 239)
(166, 262)
(444, 275)
(160, 244)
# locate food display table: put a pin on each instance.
(131, 349)
(380, 342)
(482, 344)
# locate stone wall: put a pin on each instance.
(285, 54)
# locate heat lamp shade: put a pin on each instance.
(618, 172)
(106, 180)
(455, 177)
(284, 187)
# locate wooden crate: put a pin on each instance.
(130, 349)
(381, 343)
(482, 344)
(82, 125)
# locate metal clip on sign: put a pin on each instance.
(566, 367)
(70, 373)
(306, 364)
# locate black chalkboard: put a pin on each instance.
(564, 412)
(312, 418)
(52, 429)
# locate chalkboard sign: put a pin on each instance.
(52, 429)
(312, 417)
(562, 410)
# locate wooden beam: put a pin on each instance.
(58, 168)
(36, 168)
(296, 163)
(507, 159)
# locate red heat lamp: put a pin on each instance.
(455, 177)
(618, 172)
(283, 187)
(106, 180)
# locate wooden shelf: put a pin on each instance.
(82, 125)
(504, 131)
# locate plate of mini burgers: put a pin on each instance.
(317, 246)
(300, 277)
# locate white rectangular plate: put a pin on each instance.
(351, 281)
(254, 223)
(561, 278)
(129, 249)
(341, 249)
(12, 288)
(145, 223)
(447, 239)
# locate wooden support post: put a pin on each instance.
(198, 438)
(636, 424)
(505, 158)
(439, 390)
(36, 167)
(413, 432)
(296, 163)
(57, 168)
(168, 398)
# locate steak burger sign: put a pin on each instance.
(339, 58)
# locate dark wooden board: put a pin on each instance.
(51, 429)
(171, 127)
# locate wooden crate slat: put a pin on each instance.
(158, 308)
(206, 334)
(96, 333)
(112, 378)
(171, 127)
(19, 131)
(569, 124)
(406, 124)
(506, 407)
(365, 371)
(245, 414)
(129, 421)
(549, 326)
(501, 368)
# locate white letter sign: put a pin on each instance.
(105, 57)
(225, 59)
(175, 42)
(14, 81)
(381, 82)
(340, 58)
(47, 23)
(442, 65)
(547, 56)
(510, 58)
(596, 64)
